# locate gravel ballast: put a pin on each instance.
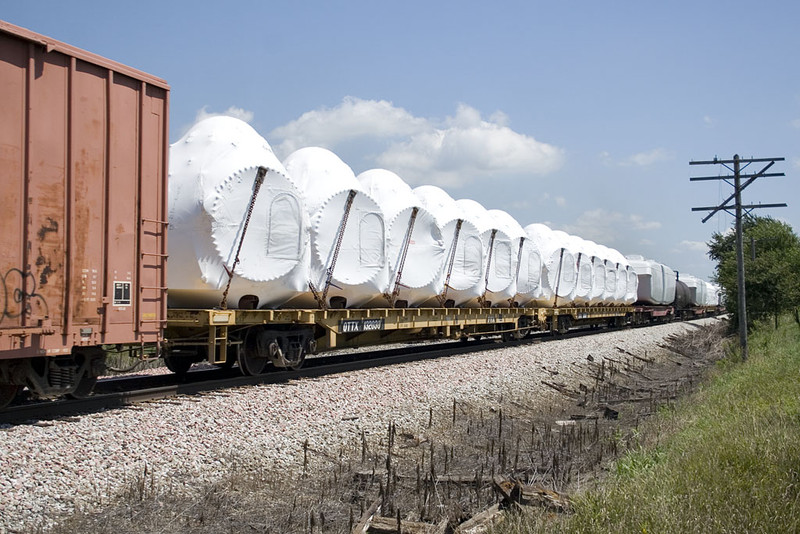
(50, 469)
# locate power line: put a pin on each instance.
(738, 209)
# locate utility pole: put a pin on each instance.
(738, 210)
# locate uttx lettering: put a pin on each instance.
(349, 326)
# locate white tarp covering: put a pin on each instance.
(697, 290)
(212, 170)
(463, 266)
(584, 284)
(611, 275)
(656, 281)
(501, 250)
(529, 272)
(506, 267)
(414, 238)
(598, 272)
(559, 265)
(621, 291)
(715, 297)
(359, 268)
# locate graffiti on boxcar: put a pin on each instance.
(19, 294)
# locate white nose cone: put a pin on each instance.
(416, 250)
(463, 267)
(348, 235)
(211, 185)
(560, 265)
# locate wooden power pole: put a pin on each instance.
(739, 210)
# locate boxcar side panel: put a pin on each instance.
(83, 154)
(13, 72)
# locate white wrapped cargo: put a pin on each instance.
(621, 292)
(559, 265)
(715, 296)
(463, 267)
(507, 266)
(584, 283)
(697, 290)
(348, 236)
(656, 281)
(416, 250)
(598, 273)
(212, 171)
(529, 273)
(501, 250)
(611, 275)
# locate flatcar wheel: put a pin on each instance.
(7, 394)
(252, 357)
(178, 364)
(252, 364)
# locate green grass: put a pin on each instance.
(728, 461)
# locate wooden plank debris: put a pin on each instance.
(514, 493)
(388, 525)
(478, 524)
(366, 519)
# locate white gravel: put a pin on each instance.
(51, 469)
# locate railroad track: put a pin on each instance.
(115, 393)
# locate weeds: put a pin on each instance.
(729, 463)
(441, 471)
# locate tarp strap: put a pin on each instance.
(516, 277)
(451, 260)
(482, 299)
(322, 300)
(402, 260)
(262, 172)
(558, 278)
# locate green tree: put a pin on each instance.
(772, 268)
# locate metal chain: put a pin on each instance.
(558, 278)
(443, 297)
(404, 252)
(482, 299)
(519, 264)
(262, 172)
(322, 300)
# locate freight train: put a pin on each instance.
(269, 260)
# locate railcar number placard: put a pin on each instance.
(350, 326)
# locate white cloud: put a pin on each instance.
(639, 223)
(796, 123)
(233, 111)
(643, 159)
(461, 148)
(608, 227)
(796, 163)
(351, 119)
(708, 121)
(692, 245)
(561, 202)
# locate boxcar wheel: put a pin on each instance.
(91, 364)
(84, 388)
(7, 394)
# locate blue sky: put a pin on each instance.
(580, 114)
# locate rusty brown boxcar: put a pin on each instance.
(83, 168)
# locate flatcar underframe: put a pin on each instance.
(284, 337)
(256, 338)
